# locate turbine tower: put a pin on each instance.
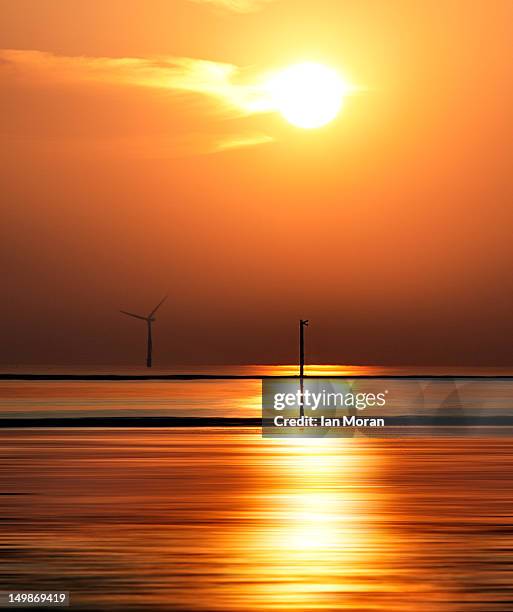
(149, 320)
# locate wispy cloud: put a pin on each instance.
(224, 81)
(239, 6)
(249, 140)
(234, 92)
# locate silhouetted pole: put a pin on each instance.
(302, 324)
(148, 354)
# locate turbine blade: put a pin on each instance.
(157, 307)
(131, 314)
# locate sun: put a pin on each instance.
(308, 95)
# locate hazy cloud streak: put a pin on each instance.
(239, 6)
(220, 80)
(234, 93)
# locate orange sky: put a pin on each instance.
(135, 164)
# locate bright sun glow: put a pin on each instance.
(308, 95)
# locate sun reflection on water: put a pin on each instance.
(221, 519)
(311, 543)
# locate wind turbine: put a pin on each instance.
(149, 320)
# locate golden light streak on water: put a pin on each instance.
(221, 519)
